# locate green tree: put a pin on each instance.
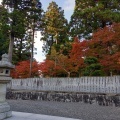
(23, 17)
(34, 15)
(3, 30)
(16, 21)
(93, 67)
(54, 28)
(33, 12)
(3, 45)
(21, 49)
(89, 15)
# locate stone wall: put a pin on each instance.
(107, 85)
(92, 98)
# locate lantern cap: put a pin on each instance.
(4, 63)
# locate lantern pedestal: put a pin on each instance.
(4, 107)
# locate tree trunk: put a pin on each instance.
(68, 74)
(32, 53)
(20, 50)
(11, 44)
(56, 38)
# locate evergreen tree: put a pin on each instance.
(93, 67)
(89, 15)
(3, 30)
(54, 28)
(24, 16)
(16, 22)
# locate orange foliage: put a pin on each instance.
(77, 54)
(47, 67)
(53, 68)
(119, 61)
(105, 45)
(22, 70)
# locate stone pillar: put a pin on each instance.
(5, 78)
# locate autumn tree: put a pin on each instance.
(89, 15)
(67, 65)
(22, 70)
(119, 61)
(47, 68)
(77, 55)
(105, 45)
(61, 63)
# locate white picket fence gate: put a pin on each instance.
(83, 84)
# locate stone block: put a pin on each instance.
(2, 116)
(5, 111)
(8, 114)
(5, 115)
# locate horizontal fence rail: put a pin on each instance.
(83, 84)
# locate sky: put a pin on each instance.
(68, 7)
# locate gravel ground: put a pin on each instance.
(69, 109)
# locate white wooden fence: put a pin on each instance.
(82, 84)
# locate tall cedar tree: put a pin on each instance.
(89, 15)
(16, 28)
(54, 29)
(26, 12)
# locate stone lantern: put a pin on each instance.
(5, 78)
